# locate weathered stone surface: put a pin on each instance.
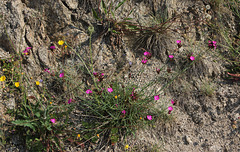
(37, 24)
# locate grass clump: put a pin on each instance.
(208, 88)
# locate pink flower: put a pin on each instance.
(110, 90)
(95, 73)
(61, 75)
(192, 58)
(173, 102)
(69, 101)
(53, 120)
(124, 112)
(89, 91)
(52, 47)
(26, 52)
(178, 41)
(149, 117)
(156, 97)
(47, 70)
(102, 74)
(170, 109)
(146, 53)
(170, 56)
(116, 105)
(144, 61)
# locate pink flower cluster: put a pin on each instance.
(144, 60)
(99, 76)
(148, 56)
(212, 44)
(170, 108)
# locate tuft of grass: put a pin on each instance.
(208, 88)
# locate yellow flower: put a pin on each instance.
(37, 82)
(115, 97)
(17, 84)
(98, 135)
(3, 78)
(60, 42)
(50, 102)
(119, 95)
(78, 136)
(140, 118)
(65, 46)
(127, 146)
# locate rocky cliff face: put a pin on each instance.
(202, 121)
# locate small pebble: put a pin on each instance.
(188, 140)
(208, 7)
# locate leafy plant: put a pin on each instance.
(36, 119)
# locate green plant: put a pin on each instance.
(230, 42)
(35, 118)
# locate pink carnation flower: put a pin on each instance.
(52, 47)
(156, 97)
(170, 56)
(192, 58)
(170, 109)
(178, 41)
(61, 75)
(149, 117)
(53, 120)
(110, 90)
(69, 101)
